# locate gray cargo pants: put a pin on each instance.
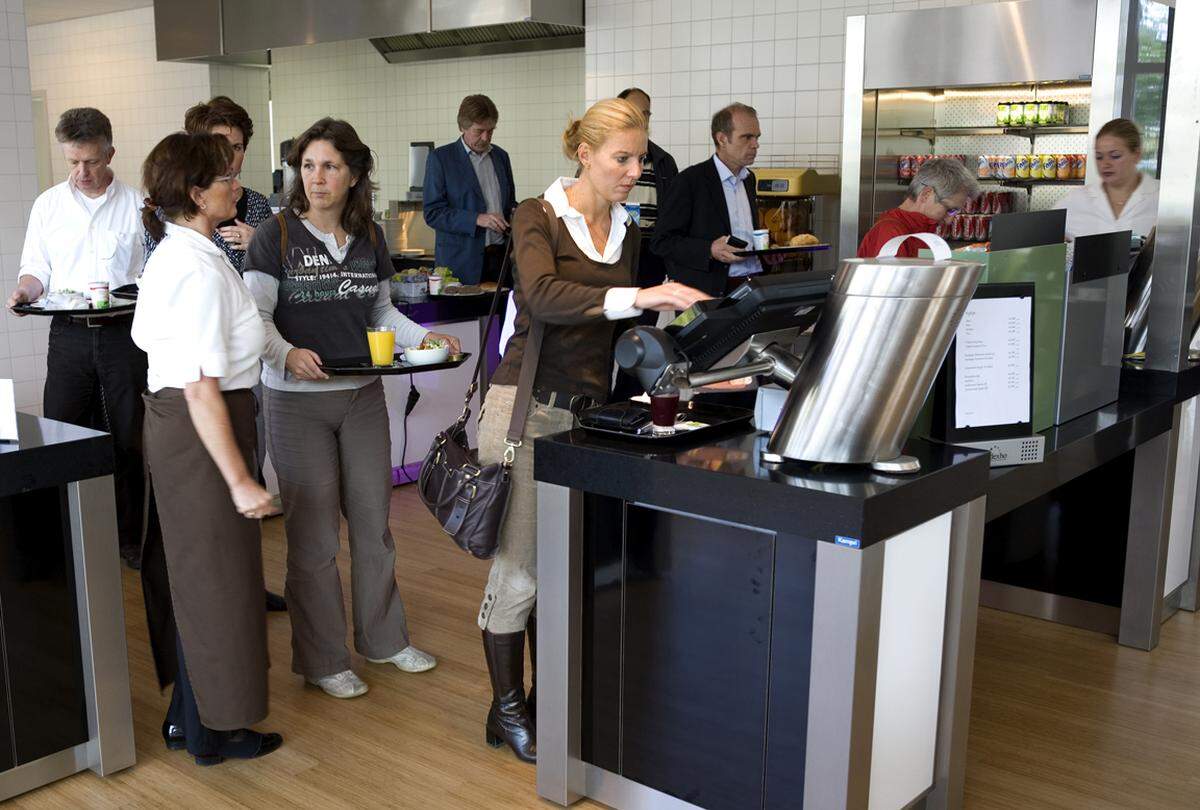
(332, 452)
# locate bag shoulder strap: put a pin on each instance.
(533, 345)
(533, 352)
(283, 239)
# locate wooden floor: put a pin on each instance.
(1061, 718)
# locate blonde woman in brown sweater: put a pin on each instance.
(574, 275)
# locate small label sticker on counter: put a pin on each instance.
(848, 542)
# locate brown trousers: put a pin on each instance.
(214, 561)
(333, 454)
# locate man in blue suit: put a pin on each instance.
(469, 195)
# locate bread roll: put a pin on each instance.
(803, 240)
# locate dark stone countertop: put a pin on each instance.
(1143, 411)
(50, 453)
(725, 480)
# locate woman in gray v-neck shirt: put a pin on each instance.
(319, 273)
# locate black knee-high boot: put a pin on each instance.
(508, 719)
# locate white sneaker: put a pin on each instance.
(410, 659)
(342, 685)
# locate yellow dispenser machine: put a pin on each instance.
(796, 201)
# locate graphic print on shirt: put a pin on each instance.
(311, 276)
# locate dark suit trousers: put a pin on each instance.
(493, 262)
(95, 377)
(185, 713)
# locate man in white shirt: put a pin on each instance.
(87, 229)
(710, 202)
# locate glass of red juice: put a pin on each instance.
(664, 406)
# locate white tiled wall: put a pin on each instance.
(22, 340)
(108, 62)
(251, 88)
(783, 57)
(392, 105)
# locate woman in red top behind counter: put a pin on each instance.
(940, 188)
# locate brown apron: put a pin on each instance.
(214, 560)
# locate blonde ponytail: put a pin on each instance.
(600, 121)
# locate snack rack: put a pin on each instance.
(945, 104)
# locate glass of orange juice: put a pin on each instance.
(382, 341)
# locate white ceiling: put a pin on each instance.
(38, 12)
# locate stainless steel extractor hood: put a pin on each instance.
(401, 30)
(479, 27)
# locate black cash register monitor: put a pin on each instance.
(710, 330)
(1100, 255)
(1029, 229)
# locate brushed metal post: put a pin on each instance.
(845, 661)
(561, 775)
(958, 655)
(1149, 535)
(1178, 234)
(1108, 67)
(852, 135)
(1189, 595)
(100, 597)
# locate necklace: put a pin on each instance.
(1118, 201)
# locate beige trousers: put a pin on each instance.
(512, 583)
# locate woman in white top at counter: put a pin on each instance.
(320, 273)
(1124, 199)
(203, 338)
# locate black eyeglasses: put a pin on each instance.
(949, 211)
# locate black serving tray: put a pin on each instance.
(461, 295)
(361, 366)
(782, 251)
(718, 418)
(114, 309)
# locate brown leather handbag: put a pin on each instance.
(469, 499)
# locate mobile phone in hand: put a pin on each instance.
(734, 242)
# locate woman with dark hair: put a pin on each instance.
(319, 272)
(203, 338)
(225, 117)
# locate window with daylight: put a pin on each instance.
(1147, 57)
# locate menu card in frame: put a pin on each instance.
(985, 388)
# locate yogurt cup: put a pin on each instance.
(762, 239)
(98, 293)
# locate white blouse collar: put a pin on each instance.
(556, 195)
(576, 223)
(1146, 187)
(198, 239)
